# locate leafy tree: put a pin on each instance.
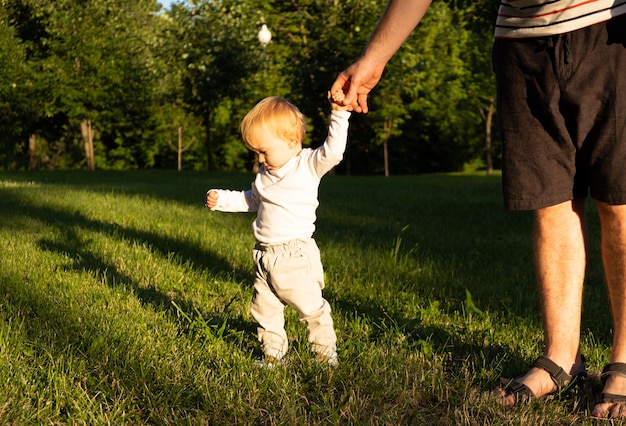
(103, 76)
(90, 58)
(219, 52)
(22, 108)
(429, 99)
(313, 41)
(132, 75)
(12, 72)
(480, 17)
(438, 90)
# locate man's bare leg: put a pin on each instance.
(560, 261)
(613, 224)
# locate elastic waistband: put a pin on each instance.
(286, 247)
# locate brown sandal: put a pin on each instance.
(615, 369)
(561, 379)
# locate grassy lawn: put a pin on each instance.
(123, 300)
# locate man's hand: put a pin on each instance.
(394, 26)
(357, 81)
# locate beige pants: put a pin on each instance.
(291, 274)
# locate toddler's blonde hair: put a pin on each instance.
(276, 116)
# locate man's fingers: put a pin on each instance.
(354, 100)
(362, 101)
(350, 94)
(339, 84)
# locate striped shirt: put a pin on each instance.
(537, 18)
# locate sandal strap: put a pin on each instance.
(614, 398)
(614, 369)
(519, 391)
(557, 374)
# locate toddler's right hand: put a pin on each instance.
(336, 100)
(211, 199)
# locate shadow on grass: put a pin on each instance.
(166, 185)
(459, 224)
(449, 230)
(477, 246)
(84, 259)
(50, 330)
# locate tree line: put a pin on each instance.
(129, 85)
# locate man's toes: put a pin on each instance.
(601, 410)
(610, 410)
(617, 411)
(503, 396)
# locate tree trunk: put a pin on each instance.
(33, 161)
(347, 162)
(86, 130)
(488, 123)
(488, 117)
(180, 148)
(208, 142)
(387, 126)
(386, 157)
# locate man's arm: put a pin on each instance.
(396, 23)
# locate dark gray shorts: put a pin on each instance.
(562, 116)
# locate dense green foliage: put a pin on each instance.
(124, 301)
(136, 74)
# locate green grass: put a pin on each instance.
(124, 301)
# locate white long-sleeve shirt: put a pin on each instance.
(286, 199)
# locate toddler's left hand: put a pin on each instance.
(211, 199)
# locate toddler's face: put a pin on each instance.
(274, 152)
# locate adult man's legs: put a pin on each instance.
(560, 259)
(613, 223)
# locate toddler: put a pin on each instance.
(287, 265)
